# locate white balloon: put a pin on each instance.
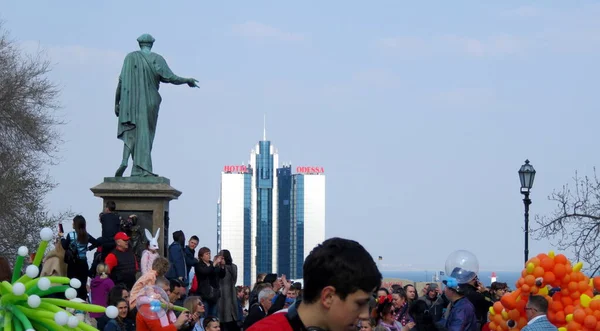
(71, 293)
(73, 322)
(46, 234)
(112, 312)
(23, 251)
(75, 283)
(61, 318)
(34, 301)
(32, 271)
(18, 288)
(44, 284)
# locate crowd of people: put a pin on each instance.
(341, 290)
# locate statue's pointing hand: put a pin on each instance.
(192, 83)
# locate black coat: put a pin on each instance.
(208, 277)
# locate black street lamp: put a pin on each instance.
(526, 175)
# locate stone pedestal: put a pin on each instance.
(146, 197)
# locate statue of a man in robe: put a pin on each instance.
(137, 103)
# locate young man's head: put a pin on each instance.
(193, 243)
(340, 277)
(411, 292)
(110, 206)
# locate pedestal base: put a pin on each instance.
(146, 197)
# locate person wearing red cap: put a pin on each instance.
(122, 262)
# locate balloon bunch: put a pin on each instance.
(570, 294)
(24, 304)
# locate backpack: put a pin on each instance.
(72, 252)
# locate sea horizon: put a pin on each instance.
(509, 277)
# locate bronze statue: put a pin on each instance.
(137, 104)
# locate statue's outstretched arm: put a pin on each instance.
(167, 76)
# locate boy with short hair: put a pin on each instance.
(340, 277)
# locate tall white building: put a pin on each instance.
(269, 218)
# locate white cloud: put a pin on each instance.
(252, 29)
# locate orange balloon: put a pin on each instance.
(569, 309)
(595, 304)
(560, 317)
(534, 260)
(522, 322)
(530, 280)
(573, 326)
(524, 273)
(509, 300)
(560, 258)
(566, 279)
(547, 263)
(579, 315)
(514, 315)
(575, 295)
(583, 286)
(520, 282)
(569, 268)
(560, 270)
(557, 296)
(538, 272)
(597, 283)
(498, 307)
(556, 306)
(573, 286)
(492, 326)
(549, 277)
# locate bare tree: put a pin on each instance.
(28, 144)
(575, 224)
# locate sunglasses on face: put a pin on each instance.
(213, 319)
(200, 303)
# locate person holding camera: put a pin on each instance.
(475, 291)
(208, 274)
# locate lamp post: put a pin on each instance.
(526, 175)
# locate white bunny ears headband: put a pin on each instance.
(152, 241)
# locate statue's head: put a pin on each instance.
(145, 40)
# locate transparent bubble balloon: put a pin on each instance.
(463, 266)
(151, 301)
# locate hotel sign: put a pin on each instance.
(310, 170)
(242, 169)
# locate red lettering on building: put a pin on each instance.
(310, 170)
(235, 168)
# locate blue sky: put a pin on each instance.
(420, 113)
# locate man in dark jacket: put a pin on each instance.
(178, 269)
(473, 291)
(261, 309)
(111, 225)
(121, 262)
(190, 253)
